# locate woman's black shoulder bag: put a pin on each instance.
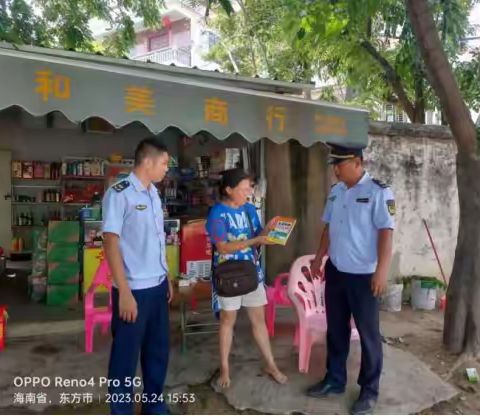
(236, 277)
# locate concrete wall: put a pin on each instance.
(418, 162)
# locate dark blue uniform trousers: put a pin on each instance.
(147, 336)
(349, 294)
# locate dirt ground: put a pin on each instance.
(419, 333)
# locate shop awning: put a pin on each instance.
(122, 91)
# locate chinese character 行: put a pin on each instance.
(216, 111)
(18, 398)
(139, 100)
(330, 125)
(48, 84)
(276, 113)
(87, 398)
(64, 398)
(42, 398)
(30, 398)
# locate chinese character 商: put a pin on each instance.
(139, 100)
(216, 111)
(276, 113)
(50, 84)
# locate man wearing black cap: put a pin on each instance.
(359, 223)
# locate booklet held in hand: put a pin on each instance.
(282, 229)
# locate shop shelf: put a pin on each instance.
(83, 178)
(29, 226)
(35, 203)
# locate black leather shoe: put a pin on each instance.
(325, 389)
(363, 406)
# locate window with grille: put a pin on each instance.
(158, 42)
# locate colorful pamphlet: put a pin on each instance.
(283, 229)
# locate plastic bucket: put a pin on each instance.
(392, 300)
(424, 294)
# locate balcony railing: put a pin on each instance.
(167, 56)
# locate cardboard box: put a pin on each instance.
(63, 273)
(63, 232)
(62, 295)
(91, 260)
(195, 251)
(62, 252)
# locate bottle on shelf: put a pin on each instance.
(80, 168)
(86, 168)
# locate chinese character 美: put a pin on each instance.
(330, 125)
(42, 398)
(216, 111)
(30, 398)
(139, 100)
(276, 113)
(64, 398)
(76, 398)
(87, 398)
(48, 84)
(18, 398)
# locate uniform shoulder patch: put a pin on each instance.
(380, 183)
(121, 186)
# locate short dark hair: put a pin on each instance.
(231, 179)
(151, 146)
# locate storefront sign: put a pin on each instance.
(126, 91)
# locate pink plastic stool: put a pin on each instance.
(276, 295)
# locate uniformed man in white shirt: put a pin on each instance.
(134, 242)
(359, 223)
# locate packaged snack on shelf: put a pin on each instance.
(27, 170)
(38, 170)
(16, 169)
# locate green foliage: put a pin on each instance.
(253, 38)
(65, 23)
(330, 36)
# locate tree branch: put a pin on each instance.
(441, 75)
(393, 79)
(249, 28)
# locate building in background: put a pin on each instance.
(183, 40)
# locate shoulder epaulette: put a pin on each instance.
(121, 186)
(380, 183)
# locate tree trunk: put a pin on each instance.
(462, 317)
(441, 76)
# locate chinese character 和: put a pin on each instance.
(50, 84)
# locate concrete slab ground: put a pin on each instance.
(408, 386)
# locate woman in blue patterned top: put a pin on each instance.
(231, 234)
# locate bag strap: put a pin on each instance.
(250, 222)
